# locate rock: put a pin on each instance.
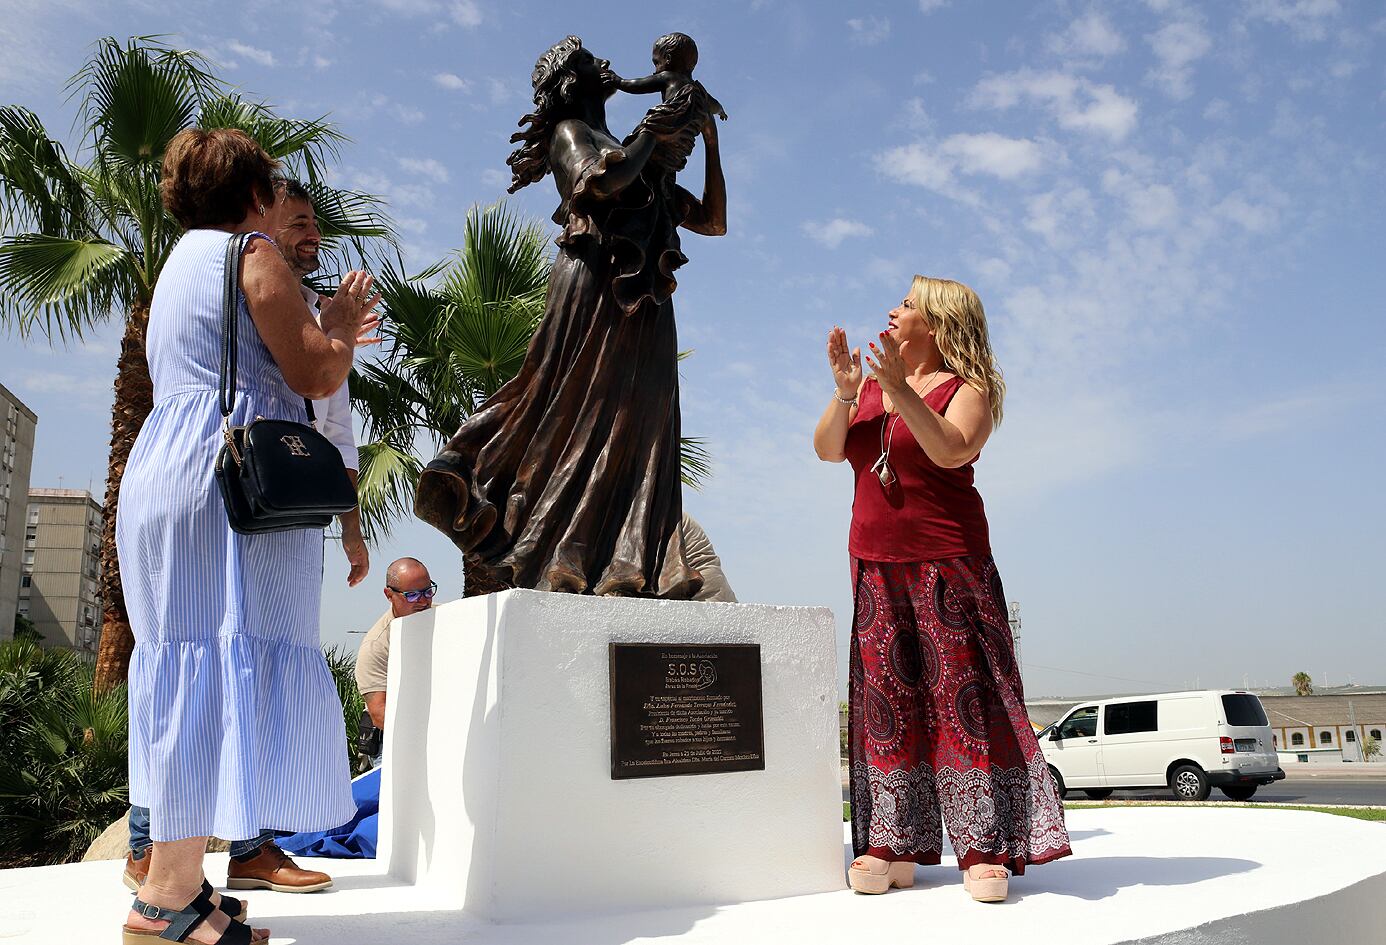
(114, 843)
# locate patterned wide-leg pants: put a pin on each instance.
(938, 732)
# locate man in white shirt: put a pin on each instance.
(299, 239)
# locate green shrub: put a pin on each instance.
(62, 755)
(343, 666)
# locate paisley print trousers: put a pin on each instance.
(938, 732)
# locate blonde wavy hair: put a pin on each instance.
(955, 314)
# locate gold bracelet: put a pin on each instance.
(849, 403)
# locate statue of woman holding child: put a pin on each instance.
(568, 478)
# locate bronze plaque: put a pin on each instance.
(685, 709)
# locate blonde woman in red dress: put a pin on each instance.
(938, 732)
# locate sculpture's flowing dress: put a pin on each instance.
(568, 478)
(235, 722)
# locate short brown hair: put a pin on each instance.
(210, 177)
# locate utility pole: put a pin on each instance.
(1356, 735)
(1014, 621)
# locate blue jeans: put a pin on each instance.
(140, 841)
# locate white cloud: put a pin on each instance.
(929, 6)
(1076, 103)
(1149, 205)
(1089, 36)
(408, 114)
(425, 167)
(991, 153)
(262, 57)
(465, 13)
(832, 232)
(1177, 47)
(492, 177)
(453, 83)
(869, 31)
(934, 166)
(1061, 216)
(1307, 19)
(1217, 110)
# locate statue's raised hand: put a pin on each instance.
(845, 364)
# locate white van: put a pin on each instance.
(1188, 741)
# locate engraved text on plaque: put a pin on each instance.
(685, 709)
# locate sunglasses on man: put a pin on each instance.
(414, 597)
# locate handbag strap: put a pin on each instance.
(231, 287)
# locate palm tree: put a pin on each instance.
(457, 332)
(85, 240)
(1304, 686)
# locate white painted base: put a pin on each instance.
(497, 792)
(1139, 876)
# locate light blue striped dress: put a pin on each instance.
(235, 723)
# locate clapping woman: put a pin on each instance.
(235, 723)
(938, 732)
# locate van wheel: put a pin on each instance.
(1099, 794)
(1058, 781)
(1189, 783)
(1239, 792)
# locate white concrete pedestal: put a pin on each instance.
(497, 794)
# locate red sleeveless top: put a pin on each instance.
(928, 513)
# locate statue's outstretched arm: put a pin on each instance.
(709, 215)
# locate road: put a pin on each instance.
(1357, 791)
(1293, 790)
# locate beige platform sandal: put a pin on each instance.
(873, 875)
(989, 888)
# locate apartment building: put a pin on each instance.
(59, 590)
(16, 458)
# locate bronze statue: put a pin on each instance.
(567, 479)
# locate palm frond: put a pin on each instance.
(695, 462)
(138, 96)
(38, 189)
(57, 284)
(305, 144)
(388, 476)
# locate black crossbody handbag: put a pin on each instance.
(274, 475)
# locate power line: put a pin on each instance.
(1078, 672)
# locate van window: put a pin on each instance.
(1081, 724)
(1124, 718)
(1243, 709)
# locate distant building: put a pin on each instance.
(1328, 727)
(60, 589)
(16, 458)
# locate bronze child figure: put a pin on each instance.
(686, 107)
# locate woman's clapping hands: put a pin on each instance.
(845, 364)
(889, 369)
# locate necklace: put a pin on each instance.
(882, 465)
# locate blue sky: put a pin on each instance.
(1171, 211)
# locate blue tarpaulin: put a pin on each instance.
(354, 839)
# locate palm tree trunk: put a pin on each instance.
(477, 579)
(134, 398)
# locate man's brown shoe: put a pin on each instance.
(271, 868)
(136, 871)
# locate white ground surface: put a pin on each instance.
(1194, 876)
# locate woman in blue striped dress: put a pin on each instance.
(235, 723)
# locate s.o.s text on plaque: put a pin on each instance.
(684, 709)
